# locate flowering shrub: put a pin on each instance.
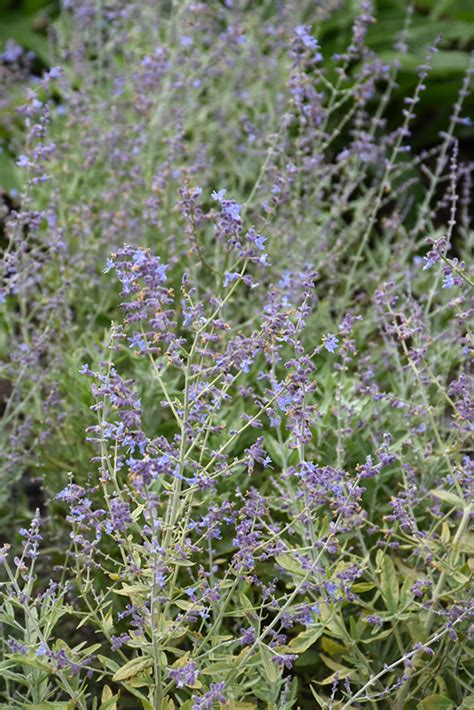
(236, 373)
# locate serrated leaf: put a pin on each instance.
(132, 668)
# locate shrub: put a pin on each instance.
(236, 311)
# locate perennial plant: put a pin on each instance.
(236, 312)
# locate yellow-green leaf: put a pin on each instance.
(108, 699)
(304, 640)
(332, 647)
(106, 694)
(360, 587)
(129, 590)
(132, 668)
(331, 678)
(436, 702)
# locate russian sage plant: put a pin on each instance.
(238, 395)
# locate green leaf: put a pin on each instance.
(108, 699)
(340, 674)
(20, 27)
(448, 497)
(8, 175)
(304, 640)
(275, 450)
(108, 663)
(417, 630)
(436, 702)
(248, 609)
(332, 647)
(218, 667)
(132, 668)
(361, 587)
(269, 667)
(290, 564)
(51, 706)
(389, 584)
(31, 661)
(444, 64)
(377, 637)
(129, 590)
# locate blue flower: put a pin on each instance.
(42, 650)
(218, 196)
(330, 342)
(230, 277)
(23, 161)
